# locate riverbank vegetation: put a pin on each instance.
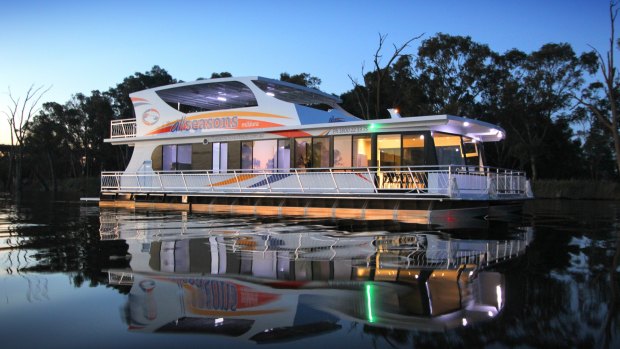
(534, 96)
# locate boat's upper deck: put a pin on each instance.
(247, 105)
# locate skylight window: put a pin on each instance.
(208, 96)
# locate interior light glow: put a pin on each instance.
(220, 98)
(422, 137)
(498, 290)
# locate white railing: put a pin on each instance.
(124, 128)
(463, 182)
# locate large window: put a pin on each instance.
(264, 154)
(246, 155)
(220, 157)
(303, 152)
(362, 154)
(320, 152)
(470, 150)
(388, 150)
(177, 157)
(284, 154)
(342, 151)
(413, 150)
(448, 149)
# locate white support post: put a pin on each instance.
(299, 181)
(334, 179)
(210, 183)
(237, 180)
(184, 181)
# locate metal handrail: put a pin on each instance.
(124, 128)
(464, 182)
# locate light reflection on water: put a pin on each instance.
(549, 278)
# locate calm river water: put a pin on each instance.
(76, 276)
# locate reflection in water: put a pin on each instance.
(267, 282)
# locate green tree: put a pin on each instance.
(122, 106)
(528, 94)
(452, 70)
(303, 79)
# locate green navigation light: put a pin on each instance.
(369, 297)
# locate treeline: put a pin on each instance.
(531, 95)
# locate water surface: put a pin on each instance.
(75, 276)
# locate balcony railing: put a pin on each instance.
(124, 128)
(457, 182)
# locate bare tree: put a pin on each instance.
(380, 72)
(20, 113)
(608, 117)
(362, 95)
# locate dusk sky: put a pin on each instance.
(80, 46)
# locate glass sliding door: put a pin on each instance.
(246, 155)
(220, 157)
(362, 153)
(342, 151)
(388, 150)
(448, 148)
(184, 157)
(169, 157)
(264, 154)
(388, 157)
(177, 157)
(413, 150)
(284, 154)
(320, 152)
(303, 152)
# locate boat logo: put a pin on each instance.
(150, 117)
(335, 119)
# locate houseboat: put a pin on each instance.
(252, 145)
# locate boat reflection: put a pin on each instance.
(273, 282)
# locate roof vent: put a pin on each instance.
(394, 113)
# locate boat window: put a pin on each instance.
(342, 151)
(302, 152)
(177, 157)
(448, 148)
(208, 96)
(388, 150)
(246, 155)
(413, 150)
(470, 149)
(361, 151)
(297, 94)
(220, 157)
(264, 154)
(284, 154)
(320, 152)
